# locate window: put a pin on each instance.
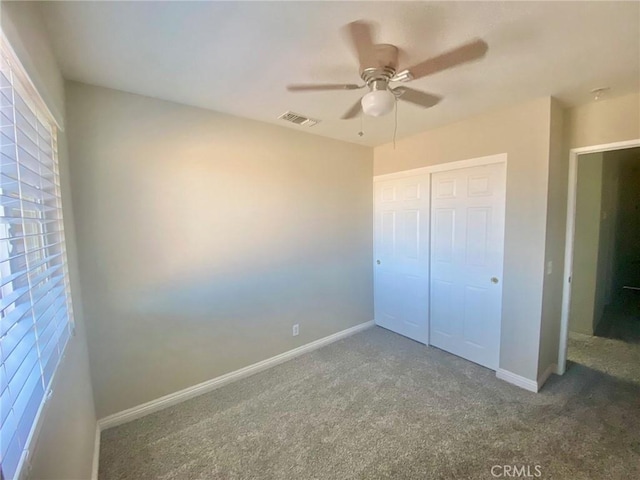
(36, 319)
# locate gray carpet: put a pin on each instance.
(377, 405)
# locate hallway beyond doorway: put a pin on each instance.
(621, 319)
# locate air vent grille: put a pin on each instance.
(298, 119)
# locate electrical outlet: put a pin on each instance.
(296, 330)
(549, 267)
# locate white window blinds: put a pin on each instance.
(35, 306)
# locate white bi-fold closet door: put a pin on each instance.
(439, 247)
(467, 250)
(401, 270)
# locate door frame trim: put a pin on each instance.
(430, 170)
(569, 238)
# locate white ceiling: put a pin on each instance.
(237, 57)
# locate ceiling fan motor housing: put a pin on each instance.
(377, 75)
(387, 63)
(380, 100)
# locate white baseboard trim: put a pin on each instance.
(553, 368)
(204, 387)
(96, 453)
(517, 380)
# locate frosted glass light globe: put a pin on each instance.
(378, 102)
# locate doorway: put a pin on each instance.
(601, 295)
(438, 240)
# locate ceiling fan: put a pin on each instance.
(379, 68)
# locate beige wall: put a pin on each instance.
(204, 237)
(586, 243)
(523, 133)
(554, 243)
(604, 121)
(64, 447)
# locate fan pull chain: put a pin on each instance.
(361, 132)
(395, 127)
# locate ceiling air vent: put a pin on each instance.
(298, 119)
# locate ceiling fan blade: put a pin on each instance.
(353, 111)
(319, 87)
(359, 33)
(463, 54)
(417, 97)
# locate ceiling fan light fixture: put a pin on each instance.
(378, 102)
(379, 68)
